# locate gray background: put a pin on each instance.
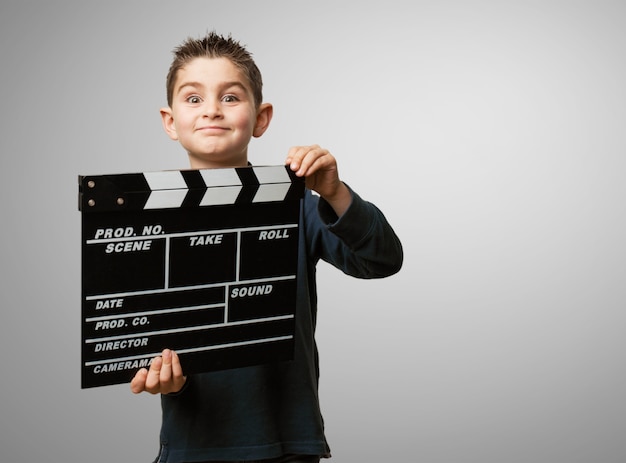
(491, 133)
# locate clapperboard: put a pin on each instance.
(200, 261)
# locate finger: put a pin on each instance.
(308, 159)
(165, 375)
(178, 378)
(138, 383)
(290, 155)
(297, 154)
(153, 380)
(294, 156)
(314, 161)
(177, 369)
(322, 160)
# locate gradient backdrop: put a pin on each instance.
(492, 135)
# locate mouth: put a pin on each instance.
(211, 128)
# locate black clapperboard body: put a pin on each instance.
(200, 261)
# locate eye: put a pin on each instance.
(229, 99)
(194, 99)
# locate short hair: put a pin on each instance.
(214, 45)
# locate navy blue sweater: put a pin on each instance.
(269, 410)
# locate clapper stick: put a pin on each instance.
(200, 261)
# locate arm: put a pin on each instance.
(342, 228)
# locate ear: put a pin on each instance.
(263, 118)
(168, 123)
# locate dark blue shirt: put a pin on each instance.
(269, 410)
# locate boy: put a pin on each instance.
(269, 412)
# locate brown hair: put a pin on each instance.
(214, 45)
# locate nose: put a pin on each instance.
(212, 108)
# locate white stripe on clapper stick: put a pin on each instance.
(275, 183)
(223, 186)
(168, 189)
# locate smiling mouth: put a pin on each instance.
(212, 128)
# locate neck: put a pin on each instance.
(200, 163)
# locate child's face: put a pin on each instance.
(213, 114)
